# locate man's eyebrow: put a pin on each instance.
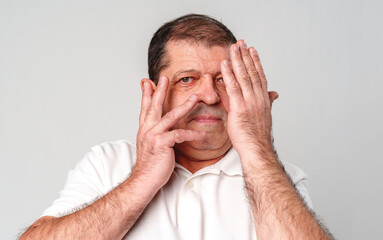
(177, 74)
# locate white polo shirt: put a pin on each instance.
(209, 204)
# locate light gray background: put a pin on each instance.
(69, 79)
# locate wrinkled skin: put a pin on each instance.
(207, 100)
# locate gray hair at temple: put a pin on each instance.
(196, 28)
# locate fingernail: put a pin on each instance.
(226, 63)
(236, 48)
(243, 44)
(146, 85)
(192, 97)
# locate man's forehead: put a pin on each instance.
(186, 56)
(193, 48)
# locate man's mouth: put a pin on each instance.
(206, 119)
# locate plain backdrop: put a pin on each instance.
(70, 73)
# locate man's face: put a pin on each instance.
(196, 69)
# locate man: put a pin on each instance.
(204, 166)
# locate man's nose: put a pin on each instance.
(207, 92)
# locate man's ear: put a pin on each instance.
(148, 81)
(273, 95)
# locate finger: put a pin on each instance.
(273, 95)
(240, 72)
(154, 112)
(172, 117)
(182, 135)
(232, 87)
(147, 92)
(250, 67)
(258, 66)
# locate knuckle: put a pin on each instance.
(262, 74)
(262, 101)
(237, 64)
(176, 136)
(233, 83)
(164, 123)
(170, 116)
(154, 108)
(179, 135)
(234, 89)
(252, 71)
(150, 111)
(144, 109)
(243, 75)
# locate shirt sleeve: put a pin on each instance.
(299, 178)
(84, 185)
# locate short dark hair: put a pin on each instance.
(196, 28)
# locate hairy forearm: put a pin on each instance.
(278, 210)
(110, 217)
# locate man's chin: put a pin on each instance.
(206, 148)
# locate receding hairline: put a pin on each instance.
(193, 28)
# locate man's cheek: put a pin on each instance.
(225, 102)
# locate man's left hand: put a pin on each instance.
(249, 117)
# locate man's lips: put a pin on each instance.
(206, 119)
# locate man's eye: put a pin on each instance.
(220, 79)
(186, 79)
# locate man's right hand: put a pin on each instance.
(112, 216)
(155, 140)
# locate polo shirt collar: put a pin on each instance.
(230, 165)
